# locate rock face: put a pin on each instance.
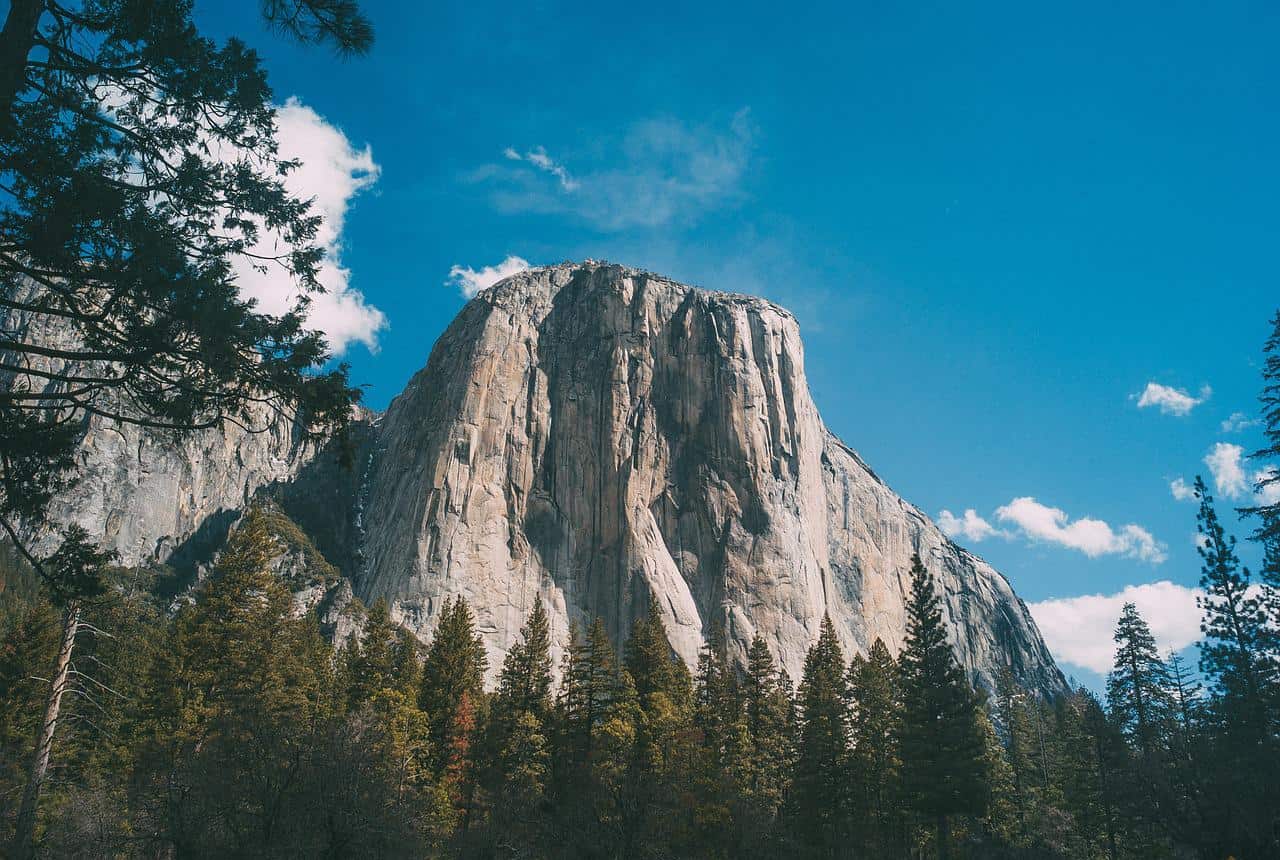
(597, 434)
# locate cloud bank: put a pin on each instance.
(1042, 523)
(332, 172)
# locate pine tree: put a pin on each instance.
(371, 665)
(943, 749)
(768, 712)
(596, 714)
(875, 762)
(517, 746)
(454, 669)
(653, 665)
(1137, 687)
(660, 782)
(1140, 706)
(240, 695)
(524, 685)
(819, 784)
(1233, 625)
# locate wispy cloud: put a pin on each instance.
(1238, 422)
(1171, 401)
(1093, 537)
(538, 158)
(471, 281)
(661, 171)
(1079, 629)
(969, 526)
(331, 173)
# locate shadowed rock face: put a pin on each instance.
(598, 434)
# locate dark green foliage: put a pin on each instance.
(1138, 686)
(1234, 628)
(454, 670)
(819, 790)
(941, 741)
(875, 761)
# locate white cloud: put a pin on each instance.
(1090, 536)
(331, 173)
(1238, 422)
(1182, 491)
(1171, 401)
(1225, 462)
(662, 170)
(969, 526)
(471, 281)
(1231, 481)
(1079, 629)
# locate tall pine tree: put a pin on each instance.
(454, 670)
(942, 742)
(819, 787)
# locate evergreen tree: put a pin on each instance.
(1234, 625)
(819, 785)
(524, 685)
(454, 670)
(371, 664)
(596, 716)
(239, 695)
(941, 741)
(653, 665)
(518, 742)
(768, 712)
(1137, 687)
(875, 761)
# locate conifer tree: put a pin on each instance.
(943, 749)
(767, 708)
(594, 690)
(596, 716)
(1137, 687)
(653, 665)
(819, 784)
(454, 669)
(370, 664)
(524, 685)
(875, 761)
(239, 694)
(517, 746)
(1233, 625)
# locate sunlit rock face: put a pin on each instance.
(597, 434)
(593, 434)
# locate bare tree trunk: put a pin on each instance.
(16, 40)
(23, 839)
(944, 837)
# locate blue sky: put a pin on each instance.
(995, 225)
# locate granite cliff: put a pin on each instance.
(597, 435)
